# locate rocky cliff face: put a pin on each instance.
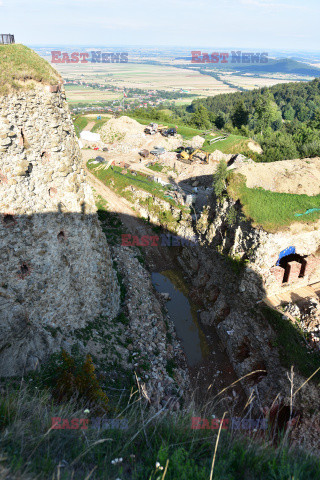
(226, 230)
(56, 270)
(232, 268)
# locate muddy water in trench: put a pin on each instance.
(209, 365)
(184, 317)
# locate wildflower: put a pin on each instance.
(116, 460)
(158, 466)
(86, 411)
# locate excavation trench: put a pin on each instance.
(209, 366)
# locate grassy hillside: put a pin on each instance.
(272, 210)
(19, 66)
(232, 144)
(283, 119)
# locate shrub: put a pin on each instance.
(70, 376)
(219, 179)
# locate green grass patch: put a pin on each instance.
(80, 123)
(111, 224)
(186, 132)
(156, 167)
(236, 264)
(99, 123)
(121, 181)
(20, 67)
(291, 345)
(232, 144)
(32, 450)
(271, 210)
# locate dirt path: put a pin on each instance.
(89, 126)
(157, 257)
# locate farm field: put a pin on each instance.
(249, 82)
(158, 77)
(83, 94)
(145, 77)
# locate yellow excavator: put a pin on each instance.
(187, 154)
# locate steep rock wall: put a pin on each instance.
(231, 269)
(225, 228)
(56, 269)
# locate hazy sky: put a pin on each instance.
(254, 24)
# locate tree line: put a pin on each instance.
(284, 119)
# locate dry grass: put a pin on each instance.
(21, 68)
(33, 449)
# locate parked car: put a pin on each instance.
(144, 153)
(157, 151)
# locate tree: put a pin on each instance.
(240, 115)
(200, 117)
(315, 122)
(266, 112)
(278, 146)
(289, 113)
(220, 120)
(219, 179)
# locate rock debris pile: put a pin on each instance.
(156, 354)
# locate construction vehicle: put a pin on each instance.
(154, 128)
(171, 132)
(162, 128)
(188, 155)
(151, 129)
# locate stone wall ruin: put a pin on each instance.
(55, 266)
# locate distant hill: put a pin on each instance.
(283, 65)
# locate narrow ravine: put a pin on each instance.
(184, 317)
(209, 366)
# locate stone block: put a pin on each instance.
(313, 264)
(277, 274)
(293, 271)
